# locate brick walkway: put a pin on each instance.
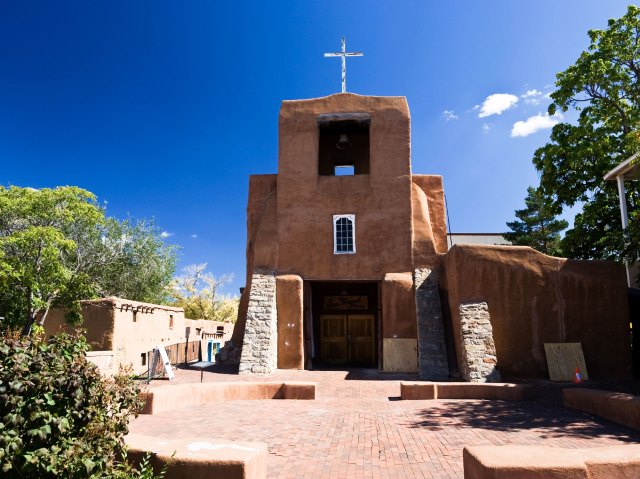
(358, 428)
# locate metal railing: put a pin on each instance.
(179, 353)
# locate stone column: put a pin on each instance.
(260, 344)
(478, 362)
(432, 350)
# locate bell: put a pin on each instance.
(343, 142)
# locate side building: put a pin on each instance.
(124, 333)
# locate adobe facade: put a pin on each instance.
(121, 332)
(348, 262)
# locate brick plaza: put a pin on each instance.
(357, 427)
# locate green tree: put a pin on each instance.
(538, 226)
(58, 416)
(602, 87)
(134, 260)
(57, 247)
(197, 292)
(37, 251)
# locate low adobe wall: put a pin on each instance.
(617, 407)
(491, 391)
(534, 299)
(537, 462)
(104, 361)
(167, 398)
(200, 459)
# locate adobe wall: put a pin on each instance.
(535, 299)
(262, 240)
(110, 326)
(399, 333)
(380, 200)
(289, 303)
(97, 321)
(398, 306)
(429, 220)
(400, 218)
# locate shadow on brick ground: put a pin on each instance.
(548, 421)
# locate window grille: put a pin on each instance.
(344, 234)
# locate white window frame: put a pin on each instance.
(351, 218)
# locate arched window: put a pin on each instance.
(344, 234)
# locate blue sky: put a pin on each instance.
(163, 109)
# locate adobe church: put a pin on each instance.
(348, 266)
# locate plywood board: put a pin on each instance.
(563, 359)
(399, 355)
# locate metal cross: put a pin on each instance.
(344, 54)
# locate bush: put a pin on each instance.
(58, 416)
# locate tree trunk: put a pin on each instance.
(44, 315)
(26, 331)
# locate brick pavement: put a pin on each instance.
(357, 427)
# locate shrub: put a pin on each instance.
(58, 416)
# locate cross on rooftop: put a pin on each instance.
(344, 54)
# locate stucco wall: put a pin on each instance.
(289, 302)
(399, 217)
(398, 306)
(97, 322)
(262, 240)
(110, 326)
(380, 200)
(535, 299)
(429, 220)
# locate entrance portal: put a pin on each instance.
(344, 324)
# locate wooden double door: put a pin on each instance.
(348, 339)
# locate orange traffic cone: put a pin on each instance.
(577, 379)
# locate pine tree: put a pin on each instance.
(538, 226)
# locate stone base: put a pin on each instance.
(479, 360)
(260, 343)
(432, 350)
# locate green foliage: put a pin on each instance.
(144, 264)
(197, 292)
(538, 226)
(602, 86)
(57, 247)
(58, 416)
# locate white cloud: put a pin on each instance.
(534, 124)
(194, 236)
(449, 115)
(486, 128)
(165, 234)
(496, 104)
(531, 93)
(532, 97)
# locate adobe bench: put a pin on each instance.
(445, 390)
(617, 407)
(200, 458)
(167, 398)
(539, 462)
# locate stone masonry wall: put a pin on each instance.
(478, 362)
(432, 350)
(260, 344)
